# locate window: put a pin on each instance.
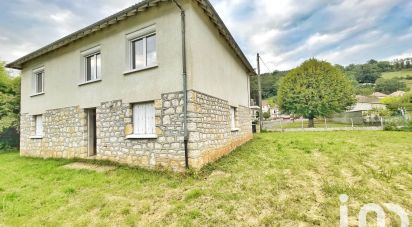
(144, 119)
(233, 118)
(38, 81)
(143, 52)
(38, 120)
(93, 67)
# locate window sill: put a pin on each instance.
(139, 70)
(235, 129)
(36, 137)
(38, 94)
(90, 82)
(147, 136)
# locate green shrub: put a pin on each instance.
(390, 126)
(266, 115)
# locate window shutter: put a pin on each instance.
(143, 119)
(232, 117)
(150, 118)
(39, 125)
(138, 119)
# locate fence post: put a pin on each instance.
(302, 123)
(382, 122)
(326, 125)
(352, 122)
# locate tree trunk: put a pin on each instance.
(311, 123)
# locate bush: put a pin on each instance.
(390, 126)
(266, 115)
(408, 128)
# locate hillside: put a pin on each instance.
(405, 73)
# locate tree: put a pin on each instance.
(266, 115)
(389, 86)
(9, 108)
(315, 88)
(396, 103)
(367, 73)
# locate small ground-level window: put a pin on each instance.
(144, 119)
(233, 117)
(38, 120)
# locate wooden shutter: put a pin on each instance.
(39, 125)
(232, 117)
(150, 118)
(144, 119)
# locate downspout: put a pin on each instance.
(184, 73)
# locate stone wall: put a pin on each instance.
(64, 134)
(210, 133)
(114, 124)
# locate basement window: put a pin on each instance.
(144, 126)
(233, 119)
(38, 127)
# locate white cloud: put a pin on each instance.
(285, 32)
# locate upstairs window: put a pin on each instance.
(142, 49)
(38, 81)
(143, 52)
(144, 119)
(38, 120)
(93, 67)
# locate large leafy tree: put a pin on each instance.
(314, 89)
(9, 108)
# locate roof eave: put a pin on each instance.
(122, 15)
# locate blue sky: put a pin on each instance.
(285, 32)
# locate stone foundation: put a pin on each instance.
(210, 133)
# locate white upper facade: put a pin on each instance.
(137, 60)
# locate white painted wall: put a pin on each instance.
(63, 67)
(213, 67)
(216, 69)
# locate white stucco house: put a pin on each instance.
(159, 84)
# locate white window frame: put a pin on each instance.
(144, 121)
(35, 81)
(84, 56)
(233, 120)
(135, 36)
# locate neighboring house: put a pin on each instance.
(359, 113)
(116, 90)
(379, 95)
(366, 103)
(398, 94)
(265, 106)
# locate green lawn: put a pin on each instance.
(283, 179)
(399, 74)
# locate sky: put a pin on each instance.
(284, 32)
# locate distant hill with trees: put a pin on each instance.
(382, 76)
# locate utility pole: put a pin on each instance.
(260, 93)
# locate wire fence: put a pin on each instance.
(334, 124)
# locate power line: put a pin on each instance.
(265, 64)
